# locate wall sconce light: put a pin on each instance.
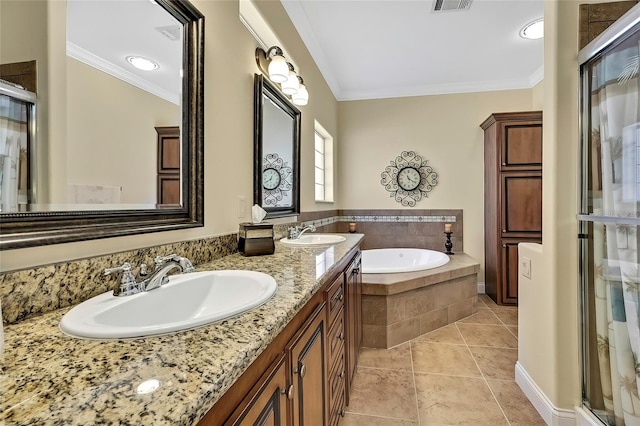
(302, 96)
(273, 64)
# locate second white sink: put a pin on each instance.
(314, 240)
(186, 301)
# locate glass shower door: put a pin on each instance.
(609, 220)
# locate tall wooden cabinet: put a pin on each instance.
(513, 197)
(168, 165)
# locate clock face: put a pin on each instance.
(270, 179)
(408, 178)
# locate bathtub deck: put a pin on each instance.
(401, 306)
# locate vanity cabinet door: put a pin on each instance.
(353, 321)
(268, 406)
(308, 366)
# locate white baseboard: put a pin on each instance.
(585, 418)
(481, 287)
(551, 414)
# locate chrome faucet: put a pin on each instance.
(163, 265)
(297, 231)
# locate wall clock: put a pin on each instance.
(409, 178)
(277, 179)
(270, 178)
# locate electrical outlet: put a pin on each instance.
(242, 206)
(525, 267)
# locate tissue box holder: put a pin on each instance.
(256, 239)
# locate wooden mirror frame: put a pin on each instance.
(262, 86)
(19, 230)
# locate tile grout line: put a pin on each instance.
(375, 415)
(484, 378)
(413, 377)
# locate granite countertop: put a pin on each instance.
(51, 378)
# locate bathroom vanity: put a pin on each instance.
(290, 357)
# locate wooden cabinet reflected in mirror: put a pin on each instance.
(168, 166)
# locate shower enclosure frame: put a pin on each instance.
(32, 100)
(619, 31)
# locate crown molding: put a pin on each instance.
(98, 62)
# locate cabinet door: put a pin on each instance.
(509, 276)
(268, 407)
(169, 189)
(521, 205)
(308, 372)
(168, 150)
(521, 145)
(353, 321)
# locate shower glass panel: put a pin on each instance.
(17, 141)
(609, 221)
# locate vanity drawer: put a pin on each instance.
(336, 338)
(337, 391)
(335, 299)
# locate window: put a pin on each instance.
(324, 164)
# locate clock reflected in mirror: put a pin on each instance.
(277, 179)
(409, 178)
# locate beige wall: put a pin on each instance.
(444, 129)
(99, 107)
(228, 133)
(538, 96)
(548, 303)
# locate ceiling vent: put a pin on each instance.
(172, 32)
(451, 5)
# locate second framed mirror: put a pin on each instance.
(276, 133)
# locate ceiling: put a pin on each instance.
(378, 49)
(102, 33)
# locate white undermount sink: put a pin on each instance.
(186, 301)
(314, 240)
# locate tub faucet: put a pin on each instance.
(164, 264)
(297, 231)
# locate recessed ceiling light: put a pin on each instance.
(533, 30)
(142, 63)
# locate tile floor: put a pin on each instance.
(461, 374)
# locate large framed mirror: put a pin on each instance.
(130, 157)
(276, 186)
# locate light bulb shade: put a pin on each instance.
(302, 97)
(278, 69)
(291, 86)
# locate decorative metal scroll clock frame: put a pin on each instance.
(274, 167)
(409, 178)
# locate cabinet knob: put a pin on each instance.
(356, 271)
(341, 297)
(504, 164)
(342, 413)
(504, 245)
(302, 371)
(341, 336)
(504, 231)
(341, 375)
(288, 392)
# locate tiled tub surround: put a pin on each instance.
(393, 228)
(399, 307)
(50, 378)
(34, 291)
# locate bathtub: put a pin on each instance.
(384, 261)
(398, 307)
